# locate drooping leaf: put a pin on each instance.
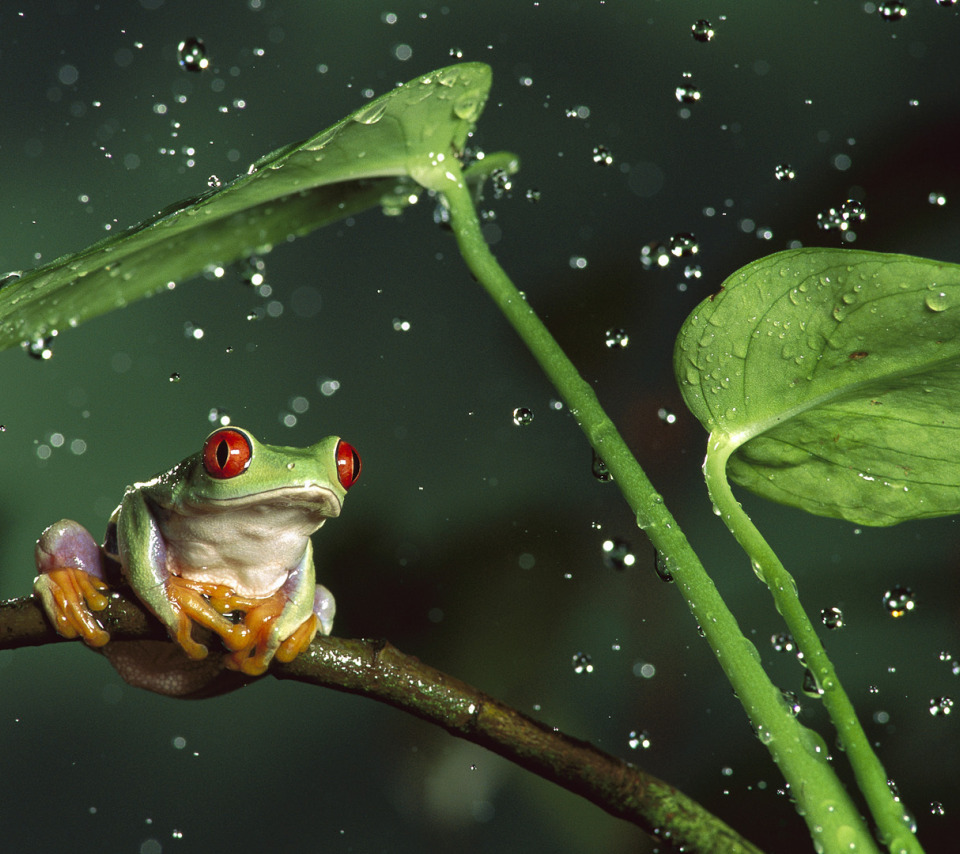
(381, 154)
(833, 376)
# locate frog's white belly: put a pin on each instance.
(251, 552)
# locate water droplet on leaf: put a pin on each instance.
(792, 701)
(662, 564)
(936, 300)
(810, 685)
(600, 470)
(41, 348)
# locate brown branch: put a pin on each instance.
(379, 670)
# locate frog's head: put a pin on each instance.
(234, 471)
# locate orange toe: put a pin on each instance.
(298, 641)
(76, 594)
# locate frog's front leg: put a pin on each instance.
(70, 582)
(284, 624)
(177, 603)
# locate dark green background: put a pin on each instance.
(434, 548)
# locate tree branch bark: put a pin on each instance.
(378, 670)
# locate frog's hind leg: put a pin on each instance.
(70, 583)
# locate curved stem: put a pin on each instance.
(831, 816)
(871, 776)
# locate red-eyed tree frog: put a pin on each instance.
(221, 541)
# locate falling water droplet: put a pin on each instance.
(582, 663)
(618, 554)
(522, 416)
(702, 31)
(683, 245)
(616, 339)
(639, 739)
(832, 618)
(687, 93)
(899, 600)
(192, 55)
(501, 182)
(655, 256)
(782, 642)
(785, 172)
(941, 706)
(253, 271)
(602, 156)
(892, 11)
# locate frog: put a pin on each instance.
(220, 542)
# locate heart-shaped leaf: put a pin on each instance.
(371, 157)
(832, 378)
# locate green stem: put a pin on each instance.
(831, 816)
(887, 812)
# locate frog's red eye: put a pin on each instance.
(348, 464)
(227, 453)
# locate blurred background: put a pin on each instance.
(473, 543)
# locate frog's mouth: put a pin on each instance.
(310, 498)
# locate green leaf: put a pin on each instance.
(371, 157)
(832, 378)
